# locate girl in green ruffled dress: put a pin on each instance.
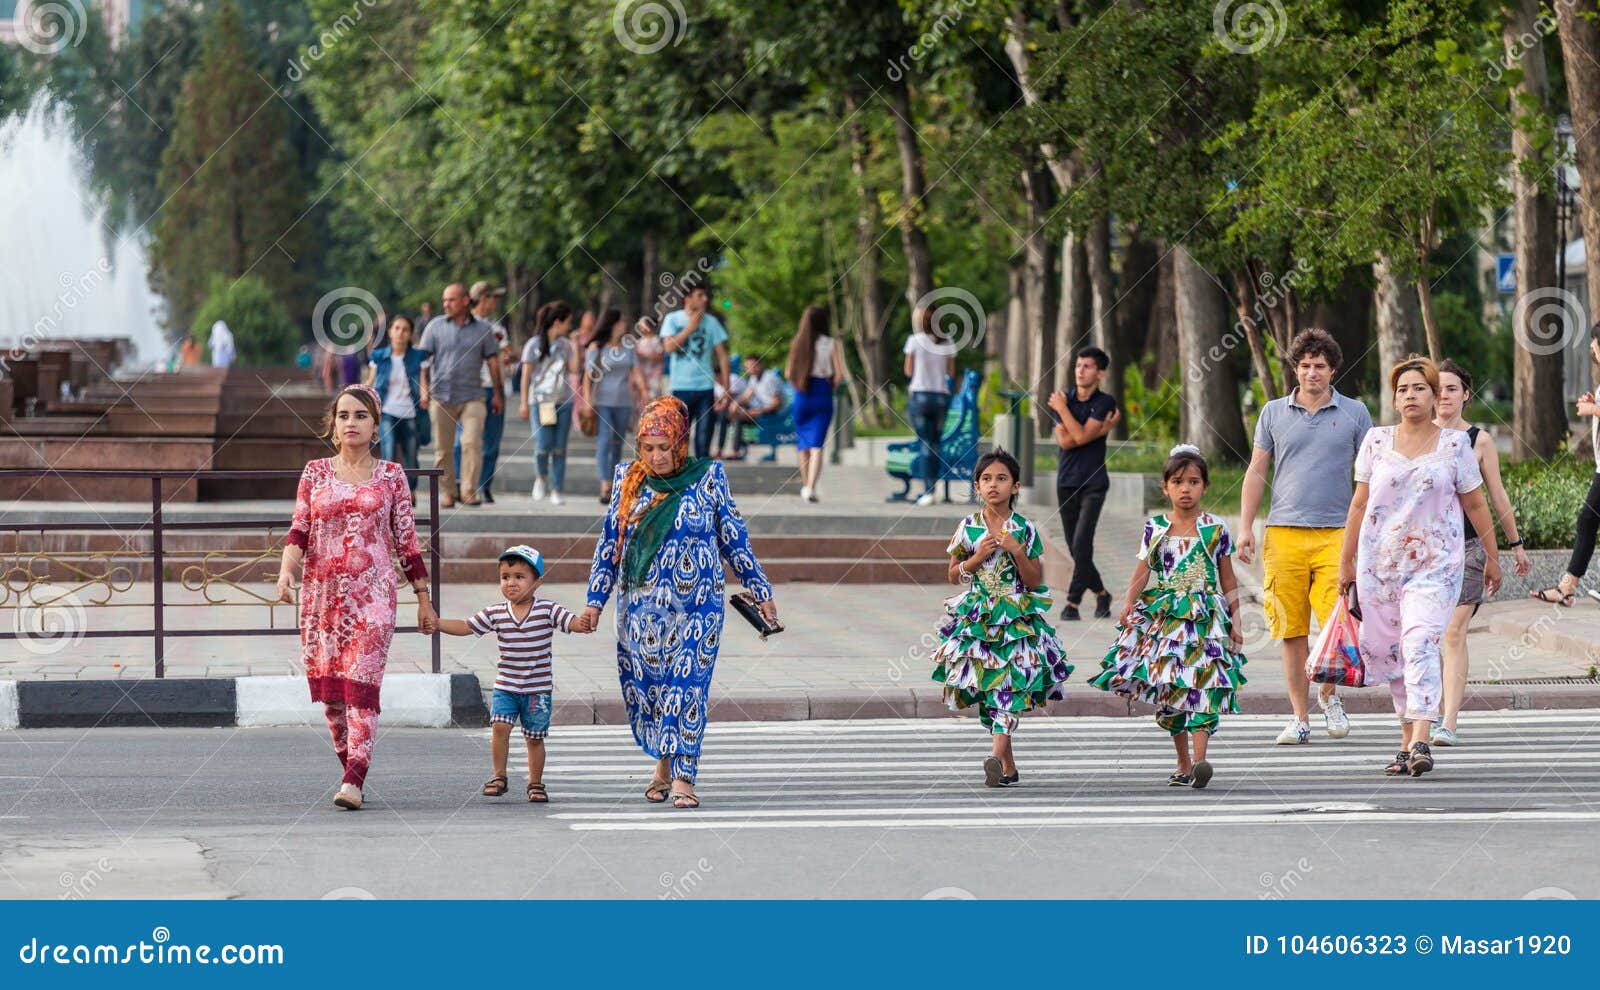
(1178, 643)
(999, 651)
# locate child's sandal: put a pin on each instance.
(1400, 765)
(537, 794)
(1179, 779)
(495, 786)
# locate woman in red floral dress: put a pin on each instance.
(351, 513)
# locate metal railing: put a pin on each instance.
(158, 526)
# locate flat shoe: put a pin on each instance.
(1202, 774)
(1421, 759)
(993, 772)
(1179, 780)
(348, 797)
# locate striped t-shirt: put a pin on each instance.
(524, 646)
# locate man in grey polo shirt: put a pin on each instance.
(1310, 438)
(458, 344)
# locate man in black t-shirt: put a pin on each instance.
(1082, 421)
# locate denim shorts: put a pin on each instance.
(532, 710)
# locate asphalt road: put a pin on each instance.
(808, 809)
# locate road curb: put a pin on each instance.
(458, 700)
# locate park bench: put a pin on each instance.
(958, 446)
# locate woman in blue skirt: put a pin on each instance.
(816, 367)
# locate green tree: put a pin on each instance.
(263, 331)
(229, 178)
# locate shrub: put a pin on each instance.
(1151, 415)
(1546, 496)
(263, 333)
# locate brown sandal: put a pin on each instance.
(685, 799)
(495, 786)
(537, 794)
(656, 793)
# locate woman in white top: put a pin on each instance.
(1589, 515)
(815, 368)
(548, 362)
(930, 361)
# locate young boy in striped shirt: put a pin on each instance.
(524, 626)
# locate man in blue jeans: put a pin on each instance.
(1082, 421)
(694, 338)
(485, 303)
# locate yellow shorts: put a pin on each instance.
(1301, 568)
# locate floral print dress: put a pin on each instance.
(670, 627)
(1175, 652)
(349, 533)
(999, 651)
(1409, 562)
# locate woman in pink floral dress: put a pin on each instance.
(352, 512)
(1403, 551)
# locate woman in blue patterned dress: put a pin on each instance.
(666, 534)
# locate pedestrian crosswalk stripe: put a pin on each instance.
(696, 822)
(1078, 773)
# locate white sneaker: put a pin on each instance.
(348, 797)
(805, 493)
(1333, 713)
(556, 499)
(814, 496)
(538, 489)
(1297, 732)
(926, 498)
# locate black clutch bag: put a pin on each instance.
(745, 604)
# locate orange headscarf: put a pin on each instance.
(666, 418)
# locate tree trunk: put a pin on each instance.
(1396, 326)
(1430, 322)
(1072, 320)
(1014, 359)
(1539, 422)
(1141, 278)
(1161, 337)
(1039, 286)
(1580, 47)
(914, 240)
(1211, 418)
(869, 331)
(650, 265)
(1102, 287)
(1244, 303)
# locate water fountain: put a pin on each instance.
(67, 273)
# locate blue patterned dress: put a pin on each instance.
(670, 627)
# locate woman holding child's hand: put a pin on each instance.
(667, 533)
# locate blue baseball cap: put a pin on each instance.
(527, 555)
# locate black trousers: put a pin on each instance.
(1588, 525)
(1080, 514)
